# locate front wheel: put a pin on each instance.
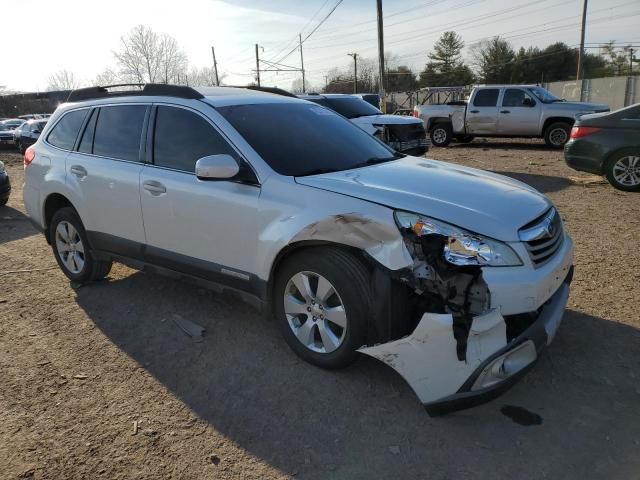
(623, 172)
(71, 248)
(441, 134)
(557, 134)
(321, 300)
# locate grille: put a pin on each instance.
(543, 237)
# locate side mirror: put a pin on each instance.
(217, 167)
(527, 102)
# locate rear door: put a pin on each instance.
(104, 173)
(482, 113)
(203, 228)
(519, 114)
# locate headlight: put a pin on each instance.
(462, 247)
(2, 168)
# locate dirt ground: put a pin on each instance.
(81, 368)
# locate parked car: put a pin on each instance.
(608, 144)
(404, 134)
(372, 98)
(11, 123)
(5, 185)
(504, 111)
(455, 277)
(27, 134)
(6, 134)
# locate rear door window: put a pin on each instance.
(64, 133)
(118, 130)
(182, 137)
(487, 97)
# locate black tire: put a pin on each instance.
(441, 134)
(3, 201)
(93, 269)
(350, 279)
(610, 164)
(557, 134)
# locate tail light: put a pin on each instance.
(29, 156)
(579, 132)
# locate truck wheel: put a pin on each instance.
(441, 134)
(557, 134)
(623, 171)
(321, 300)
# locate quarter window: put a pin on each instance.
(118, 130)
(487, 97)
(86, 144)
(182, 137)
(65, 132)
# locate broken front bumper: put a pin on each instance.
(442, 382)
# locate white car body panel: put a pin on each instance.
(368, 123)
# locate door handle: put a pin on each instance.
(79, 171)
(474, 111)
(154, 188)
(505, 111)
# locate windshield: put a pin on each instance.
(351, 107)
(544, 95)
(301, 139)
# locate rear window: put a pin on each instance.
(303, 139)
(64, 133)
(487, 97)
(118, 130)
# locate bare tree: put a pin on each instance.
(107, 77)
(62, 80)
(201, 77)
(148, 57)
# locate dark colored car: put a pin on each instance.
(608, 144)
(27, 134)
(5, 185)
(6, 134)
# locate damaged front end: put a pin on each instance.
(435, 323)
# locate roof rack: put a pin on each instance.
(274, 90)
(148, 89)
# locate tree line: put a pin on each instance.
(491, 61)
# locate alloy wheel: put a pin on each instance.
(439, 136)
(70, 248)
(626, 171)
(315, 312)
(558, 136)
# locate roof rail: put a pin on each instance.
(274, 90)
(148, 89)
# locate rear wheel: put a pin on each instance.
(321, 300)
(557, 134)
(71, 248)
(441, 134)
(623, 171)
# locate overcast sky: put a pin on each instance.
(80, 35)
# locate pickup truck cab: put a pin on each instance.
(504, 111)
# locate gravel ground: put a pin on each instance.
(99, 382)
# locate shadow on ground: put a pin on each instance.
(14, 225)
(365, 422)
(495, 144)
(542, 183)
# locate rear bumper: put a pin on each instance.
(7, 141)
(505, 367)
(583, 157)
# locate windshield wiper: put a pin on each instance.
(317, 171)
(376, 160)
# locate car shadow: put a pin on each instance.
(364, 421)
(504, 145)
(542, 183)
(14, 225)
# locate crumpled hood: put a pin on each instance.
(479, 201)
(385, 119)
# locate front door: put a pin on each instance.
(519, 114)
(203, 228)
(482, 113)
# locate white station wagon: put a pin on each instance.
(456, 278)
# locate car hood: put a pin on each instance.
(479, 201)
(385, 119)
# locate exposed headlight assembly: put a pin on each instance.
(461, 247)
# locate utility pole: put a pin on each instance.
(631, 50)
(258, 65)
(215, 66)
(355, 71)
(381, 55)
(581, 51)
(304, 88)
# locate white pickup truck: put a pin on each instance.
(504, 111)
